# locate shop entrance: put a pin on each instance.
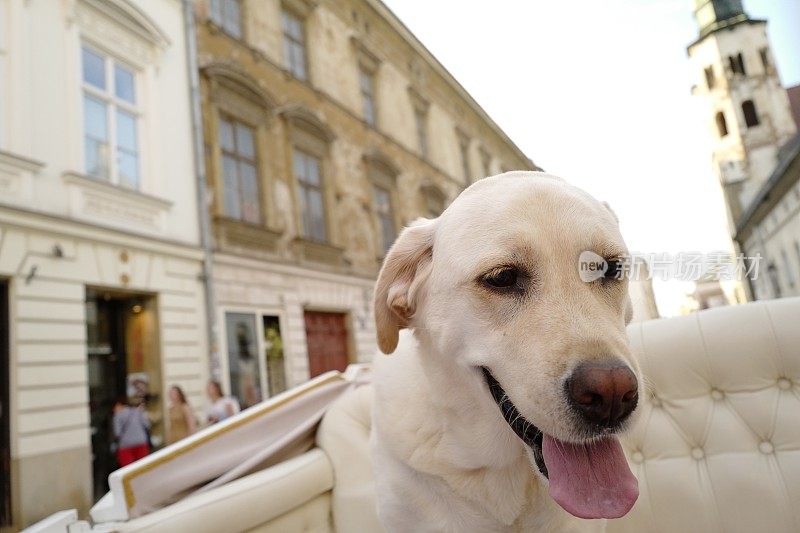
(5, 423)
(123, 364)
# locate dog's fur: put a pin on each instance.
(444, 457)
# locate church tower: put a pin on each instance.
(745, 106)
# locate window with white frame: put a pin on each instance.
(227, 14)
(111, 117)
(294, 45)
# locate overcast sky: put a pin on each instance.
(598, 92)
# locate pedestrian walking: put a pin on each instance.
(221, 406)
(131, 432)
(181, 417)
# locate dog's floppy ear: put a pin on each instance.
(404, 270)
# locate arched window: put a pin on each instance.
(750, 115)
(722, 125)
(737, 64)
(240, 121)
(310, 139)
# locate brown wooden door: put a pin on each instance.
(326, 338)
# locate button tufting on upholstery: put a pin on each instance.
(637, 457)
(727, 382)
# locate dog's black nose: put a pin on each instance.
(604, 393)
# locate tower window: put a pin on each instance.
(709, 70)
(722, 125)
(764, 52)
(737, 64)
(750, 115)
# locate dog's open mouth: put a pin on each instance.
(530, 434)
(589, 480)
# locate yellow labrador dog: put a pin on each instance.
(500, 412)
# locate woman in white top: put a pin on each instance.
(221, 406)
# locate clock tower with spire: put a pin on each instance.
(745, 107)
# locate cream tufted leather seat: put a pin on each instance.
(716, 447)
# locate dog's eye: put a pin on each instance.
(502, 278)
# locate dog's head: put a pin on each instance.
(494, 284)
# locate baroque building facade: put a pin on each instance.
(328, 127)
(100, 262)
(750, 119)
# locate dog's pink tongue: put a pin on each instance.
(590, 480)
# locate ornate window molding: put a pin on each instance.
(224, 76)
(418, 102)
(16, 178)
(307, 130)
(302, 8)
(122, 27)
(366, 59)
(98, 201)
(377, 161)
